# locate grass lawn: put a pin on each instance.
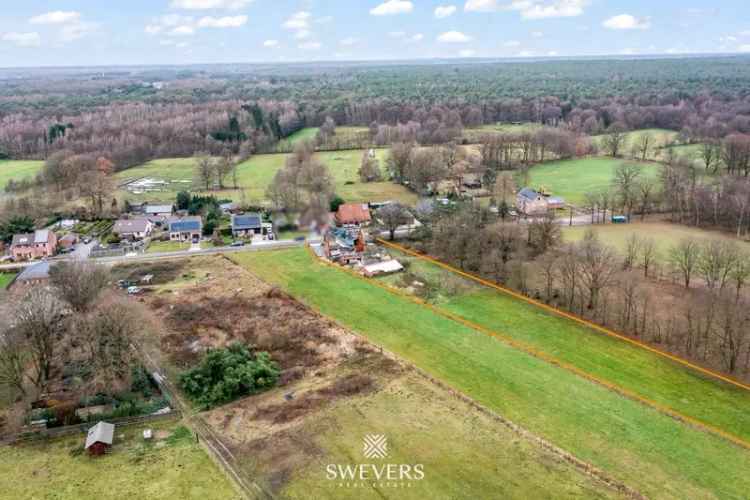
(465, 454)
(175, 467)
(18, 170)
(659, 138)
(665, 235)
(5, 279)
(649, 451)
(256, 174)
(571, 179)
(167, 246)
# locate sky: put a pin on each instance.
(135, 32)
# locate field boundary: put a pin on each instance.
(559, 312)
(665, 410)
(583, 466)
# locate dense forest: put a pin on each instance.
(134, 115)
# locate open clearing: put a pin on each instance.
(18, 170)
(652, 452)
(572, 179)
(334, 390)
(665, 235)
(255, 175)
(173, 467)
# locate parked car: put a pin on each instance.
(134, 290)
(238, 244)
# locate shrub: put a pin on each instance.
(226, 374)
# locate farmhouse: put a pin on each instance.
(250, 225)
(133, 229)
(531, 202)
(68, 241)
(186, 229)
(36, 274)
(353, 214)
(345, 245)
(36, 245)
(100, 438)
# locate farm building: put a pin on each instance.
(100, 438)
(158, 210)
(40, 243)
(133, 229)
(353, 214)
(250, 225)
(530, 201)
(68, 241)
(186, 229)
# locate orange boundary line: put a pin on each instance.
(565, 314)
(545, 357)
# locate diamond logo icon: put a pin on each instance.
(375, 446)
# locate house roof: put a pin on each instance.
(529, 194)
(247, 221)
(38, 236)
(100, 433)
(353, 213)
(38, 271)
(127, 226)
(186, 224)
(158, 209)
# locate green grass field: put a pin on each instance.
(256, 174)
(659, 139)
(5, 279)
(167, 246)
(571, 179)
(665, 235)
(175, 467)
(649, 451)
(18, 170)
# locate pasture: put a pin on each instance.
(572, 179)
(665, 235)
(171, 466)
(660, 138)
(18, 170)
(256, 174)
(650, 451)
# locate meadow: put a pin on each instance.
(660, 138)
(172, 467)
(652, 452)
(665, 235)
(256, 174)
(6, 279)
(572, 179)
(18, 170)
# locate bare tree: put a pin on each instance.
(717, 259)
(648, 254)
(643, 145)
(13, 358)
(684, 257)
(223, 167)
(391, 217)
(597, 271)
(204, 169)
(79, 283)
(633, 248)
(614, 140)
(626, 184)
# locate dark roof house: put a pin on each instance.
(185, 225)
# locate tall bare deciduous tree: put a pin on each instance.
(79, 283)
(684, 257)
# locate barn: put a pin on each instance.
(100, 438)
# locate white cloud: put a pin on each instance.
(627, 22)
(309, 46)
(453, 37)
(628, 51)
(525, 53)
(271, 44)
(531, 9)
(537, 34)
(512, 43)
(552, 53)
(56, 17)
(348, 42)
(744, 33)
(396, 34)
(467, 53)
(222, 22)
(744, 48)
(392, 7)
(443, 11)
(31, 39)
(209, 4)
(729, 38)
(416, 38)
(172, 43)
(76, 31)
(302, 34)
(298, 21)
(183, 30)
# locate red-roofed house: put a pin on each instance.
(353, 214)
(40, 243)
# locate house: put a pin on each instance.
(158, 211)
(531, 202)
(250, 225)
(41, 243)
(100, 438)
(68, 241)
(186, 229)
(36, 274)
(345, 245)
(471, 181)
(133, 229)
(353, 214)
